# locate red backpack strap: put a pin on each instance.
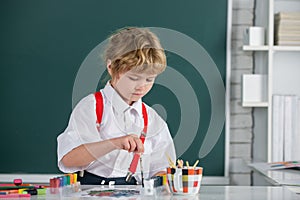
(99, 108)
(145, 116)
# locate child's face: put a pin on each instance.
(133, 85)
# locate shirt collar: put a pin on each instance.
(118, 103)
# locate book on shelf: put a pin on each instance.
(288, 43)
(287, 28)
(277, 126)
(285, 128)
(288, 24)
(287, 15)
(289, 130)
(288, 33)
(292, 40)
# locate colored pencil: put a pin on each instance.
(196, 163)
(15, 196)
(187, 164)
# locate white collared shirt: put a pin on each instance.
(119, 119)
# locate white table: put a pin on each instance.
(289, 177)
(212, 193)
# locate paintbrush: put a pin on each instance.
(142, 172)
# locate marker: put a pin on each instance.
(278, 165)
(15, 187)
(68, 179)
(31, 192)
(61, 181)
(52, 184)
(65, 180)
(18, 181)
(75, 178)
(20, 191)
(57, 182)
(15, 196)
(2, 193)
(40, 191)
(10, 191)
(71, 179)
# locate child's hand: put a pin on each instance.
(130, 143)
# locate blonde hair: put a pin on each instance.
(136, 49)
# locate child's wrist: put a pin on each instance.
(115, 143)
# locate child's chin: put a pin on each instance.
(136, 97)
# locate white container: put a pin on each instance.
(254, 36)
(254, 88)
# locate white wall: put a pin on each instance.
(241, 121)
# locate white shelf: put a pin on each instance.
(275, 48)
(255, 48)
(286, 48)
(281, 66)
(255, 104)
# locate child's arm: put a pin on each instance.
(86, 153)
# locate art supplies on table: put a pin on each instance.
(19, 190)
(64, 184)
(277, 165)
(15, 196)
(180, 163)
(184, 180)
(285, 165)
(126, 191)
(112, 192)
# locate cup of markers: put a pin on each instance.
(66, 182)
(184, 180)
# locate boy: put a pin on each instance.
(104, 153)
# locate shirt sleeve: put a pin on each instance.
(80, 130)
(162, 146)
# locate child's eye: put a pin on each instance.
(133, 78)
(150, 79)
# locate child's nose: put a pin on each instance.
(142, 84)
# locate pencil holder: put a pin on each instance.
(184, 180)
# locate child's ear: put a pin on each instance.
(108, 66)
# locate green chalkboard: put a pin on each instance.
(47, 46)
